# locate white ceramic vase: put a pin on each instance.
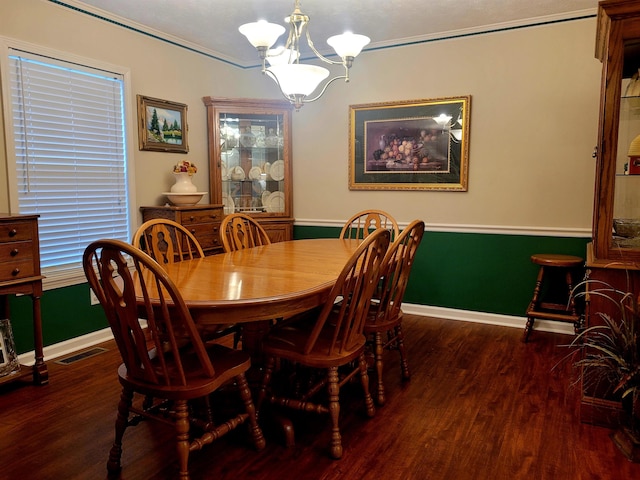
(183, 184)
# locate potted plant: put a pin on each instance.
(609, 354)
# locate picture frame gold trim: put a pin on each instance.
(435, 152)
(160, 134)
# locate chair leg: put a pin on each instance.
(404, 365)
(533, 305)
(378, 352)
(334, 411)
(122, 421)
(245, 394)
(182, 438)
(364, 378)
(527, 329)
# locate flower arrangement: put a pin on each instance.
(185, 166)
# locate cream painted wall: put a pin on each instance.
(534, 116)
(534, 119)
(158, 69)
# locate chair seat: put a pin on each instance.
(227, 363)
(289, 341)
(382, 323)
(557, 260)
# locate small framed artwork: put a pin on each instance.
(9, 364)
(410, 145)
(162, 125)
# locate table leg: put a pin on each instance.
(40, 372)
(252, 335)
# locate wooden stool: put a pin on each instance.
(549, 301)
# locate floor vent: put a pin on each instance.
(81, 356)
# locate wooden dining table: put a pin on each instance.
(254, 285)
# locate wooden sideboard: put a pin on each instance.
(201, 220)
(20, 274)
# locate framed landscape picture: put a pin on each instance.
(162, 125)
(410, 145)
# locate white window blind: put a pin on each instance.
(69, 135)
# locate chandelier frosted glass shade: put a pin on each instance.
(261, 34)
(298, 78)
(348, 44)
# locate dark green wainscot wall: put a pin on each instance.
(466, 271)
(66, 313)
(472, 271)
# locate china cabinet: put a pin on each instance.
(250, 161)
(613, 256)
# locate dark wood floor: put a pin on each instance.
(480, 405)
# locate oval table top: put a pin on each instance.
(269, 281)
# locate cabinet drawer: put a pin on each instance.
(202, 230)
(14, 251)
(201, 216)
(21, 267)
(16, 231)
(207, 242)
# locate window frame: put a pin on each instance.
(57, 277)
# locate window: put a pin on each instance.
(70, 156)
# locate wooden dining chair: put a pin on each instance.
(169, 365)
(365, 222)
(383, 327)
(166, 241)
(329, 339)
(242, 231)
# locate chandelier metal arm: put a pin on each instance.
(319, 55)
(339, 77)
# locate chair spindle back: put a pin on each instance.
(155, 357)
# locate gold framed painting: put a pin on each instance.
(162, 125)
(410, 145)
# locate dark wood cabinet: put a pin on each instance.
(20, 274)
(201, 220)
(613, 256)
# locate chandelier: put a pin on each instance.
(297, 81)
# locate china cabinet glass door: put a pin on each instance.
(252, 166)
(616, 225)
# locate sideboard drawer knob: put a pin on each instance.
(13, 232)
(15, 272)
(14, 252)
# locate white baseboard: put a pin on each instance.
(68, 346)
(85, 341)
(487, 318)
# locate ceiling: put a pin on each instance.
(211, 26)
